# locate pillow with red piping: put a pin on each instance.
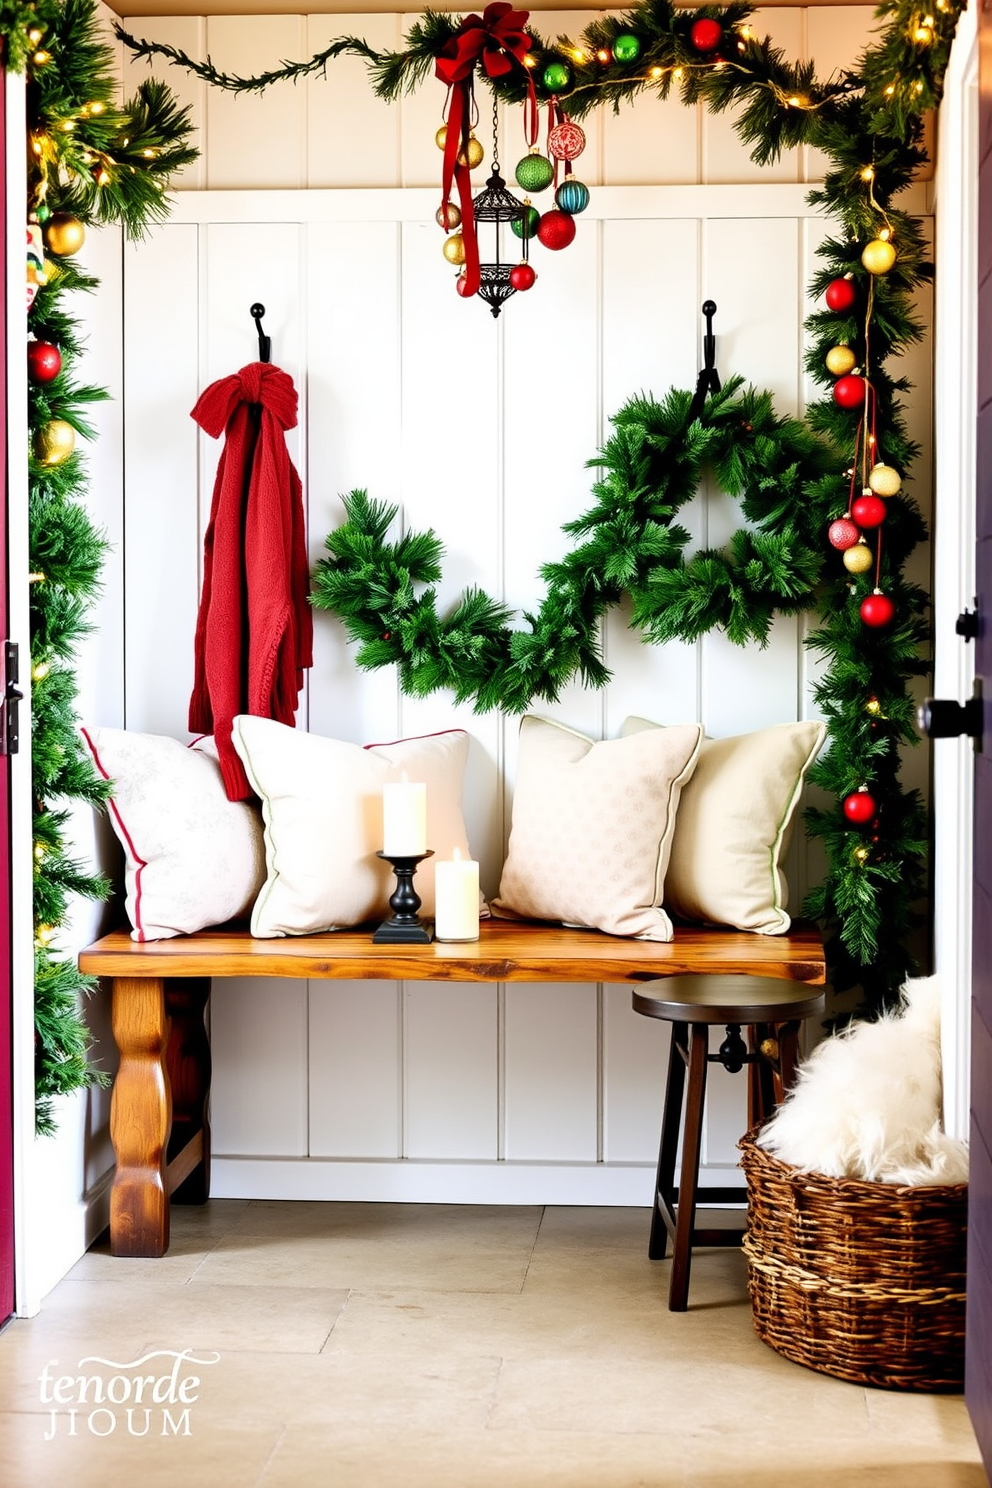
(192, 858)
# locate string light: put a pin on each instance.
(657, 72)
(578, 55)
(529, 61)
(40, 58)
(678, 74)
(40, 671)
(868, 174)
(34, 36)
(602, 55)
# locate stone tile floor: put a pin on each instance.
(436, 1346)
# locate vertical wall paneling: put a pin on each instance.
(450, 1067)
(355, 1068)
(550, 1077)
(725, 158)
(258, 1033)
(161, 385)
(353, 139)
(635, 1060)
(256, 139)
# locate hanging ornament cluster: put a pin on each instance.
(872, 481)
(535, 172)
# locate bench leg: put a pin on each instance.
(188, 1066)
(140, 1119)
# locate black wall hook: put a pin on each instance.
(264, 342)
(708, 380)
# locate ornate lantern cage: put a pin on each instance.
(499, 206)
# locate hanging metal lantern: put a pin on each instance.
(500, 207)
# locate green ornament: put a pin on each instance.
(535, 172)
(627, 48)
(44, 212)
(556, 77)
(526, 226)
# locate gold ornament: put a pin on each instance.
(878, 256)
(64, 235)
(472, 155)
(448, 216)
(858, 559)
(454, 249)
(884, 480)
(840, 359)
(54, 442)
(441, 138)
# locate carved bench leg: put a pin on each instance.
(188, 1064)
(140, 1118)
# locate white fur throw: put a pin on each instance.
(867, 1103)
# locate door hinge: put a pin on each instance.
(12, 695)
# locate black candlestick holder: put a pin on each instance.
(405, 927)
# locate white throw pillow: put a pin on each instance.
(322, 809)
(192, 858)
(734, 826)
(592, 827)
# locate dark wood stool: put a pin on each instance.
(771, 1009)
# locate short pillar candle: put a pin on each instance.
(456, 899)
(404, 819)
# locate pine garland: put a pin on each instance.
(96, 162)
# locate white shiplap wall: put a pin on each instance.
(480, 429)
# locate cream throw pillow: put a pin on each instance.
(592, 826)
(322, 809)
(192, 858)
(734, 826)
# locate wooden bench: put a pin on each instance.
(158, 1121)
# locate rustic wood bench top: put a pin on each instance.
(505, 951)
(158, 1114)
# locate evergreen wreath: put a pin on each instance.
(91, 160)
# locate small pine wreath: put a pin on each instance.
(786, 478)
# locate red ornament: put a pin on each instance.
(840, 295)
(566, 141)
(556, 229)
(868, 511)
(522, 276)
(706, 34)
(843, 533)
(877, 610)
(44, 361)
(849, 391)
(461, 284)
(860, 807)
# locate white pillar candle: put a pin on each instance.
(404, 818)
(456, 899)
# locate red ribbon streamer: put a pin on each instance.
(495, 40)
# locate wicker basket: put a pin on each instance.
(864, 1281)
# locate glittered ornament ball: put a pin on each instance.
(840, 359)
(840, 295)
(572, 196)
(627, 48)
(877, 610)
(556, 77)
(884, 480)
(522, 276)
(472, 155)
(878, 256)
(526, 226)
(556, 229)
(843, 533)
(454, 249)
(441, 138)
(54, 442)
(858, 558)
(535, 172)
(44, 361)
(448, 216)
(706, 34)
(461, 284)
(566, 141)
(849, 392)
(64, 234)
(859, 807)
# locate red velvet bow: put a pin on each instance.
(497, 40)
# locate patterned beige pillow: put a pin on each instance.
(592, 826)
(734, 826)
